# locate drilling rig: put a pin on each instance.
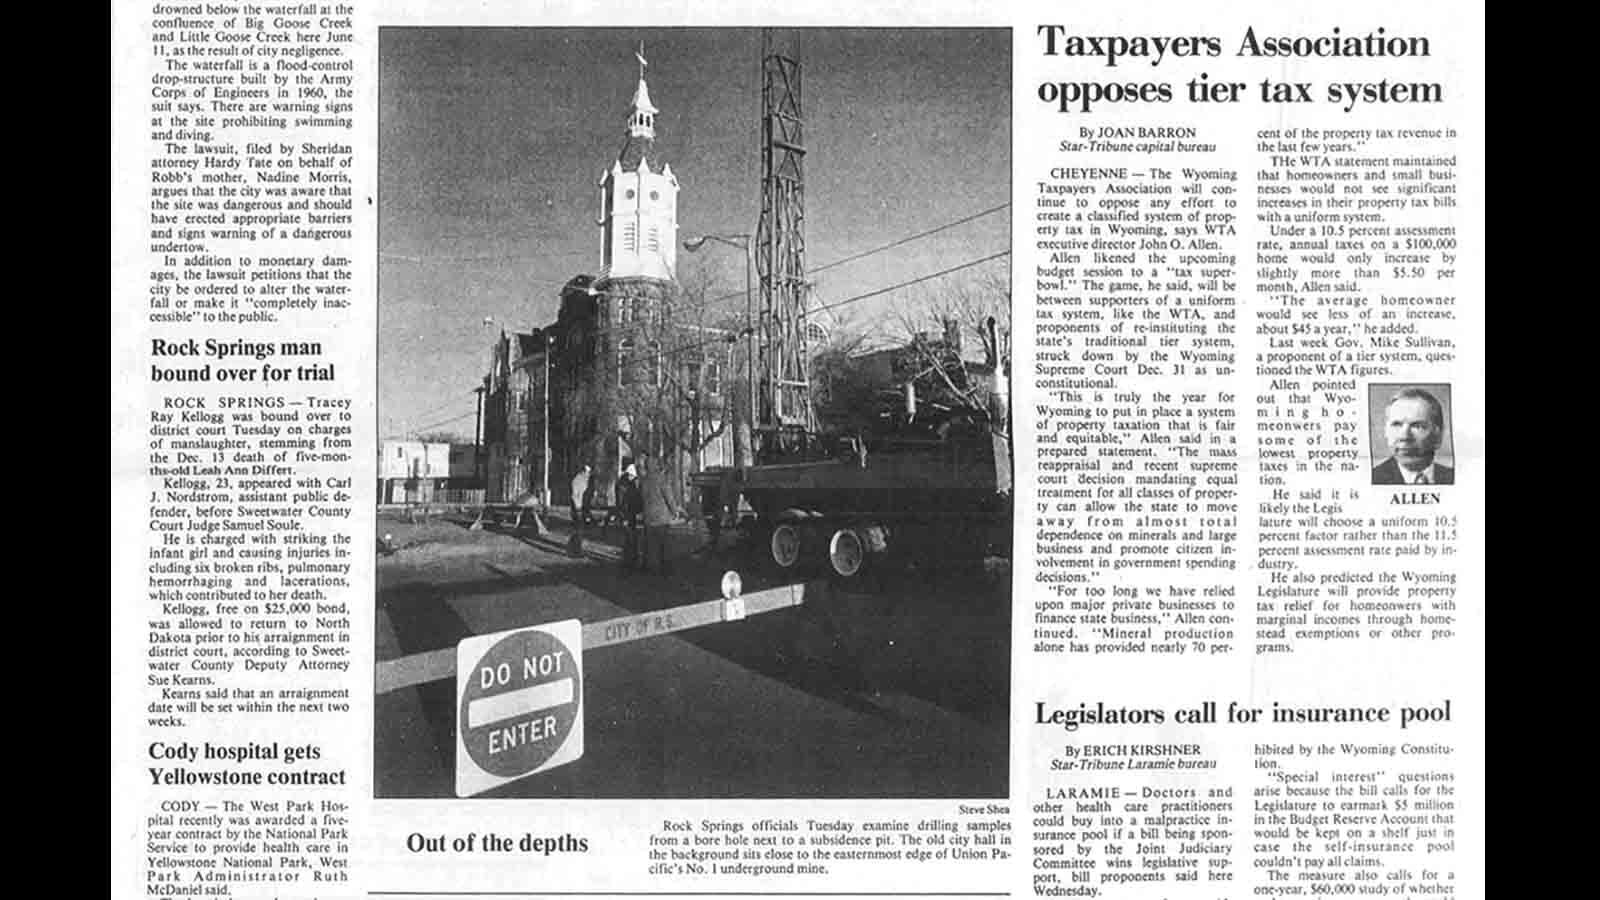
(924, 485)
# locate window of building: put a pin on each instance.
(658, 373)
(816, 334)
(713, 377)
(626, 374)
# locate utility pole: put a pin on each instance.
(544, 492)
(477, 434)
(694, 425)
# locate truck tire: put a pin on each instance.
(784, 546)
(847, 553)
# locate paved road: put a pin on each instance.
(901, 693)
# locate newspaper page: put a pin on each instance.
(951, 449)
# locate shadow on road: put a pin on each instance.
(943, 640)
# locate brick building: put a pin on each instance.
(627, 368)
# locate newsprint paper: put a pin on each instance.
(951, 449)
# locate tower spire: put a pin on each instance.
(639, 199)
(642, 119)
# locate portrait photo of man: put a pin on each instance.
(1410, 433)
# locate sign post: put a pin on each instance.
(519, 704)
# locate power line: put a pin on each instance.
(430, 427)
(906, 240)
(865, 253)
(422, 260)
(895, 287)
(437, 409)
(729, 338)
(737, 294)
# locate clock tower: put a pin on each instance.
(638, 207)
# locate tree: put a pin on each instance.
(940, 325)
(670, 384)
(675, 372)
(848, 393)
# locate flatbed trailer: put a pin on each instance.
(853, 504)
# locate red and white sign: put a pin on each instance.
(519, 704)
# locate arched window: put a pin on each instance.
(626, 372)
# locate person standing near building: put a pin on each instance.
(580, 509)
(659, 514)
(711, 510)
(580, 497)
(629, 506)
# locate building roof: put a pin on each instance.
(636, 149)
(527, 345)
(639, 146)
(641, 98)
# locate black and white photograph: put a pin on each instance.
(950, 449)
(1409, 428)
(694, 405)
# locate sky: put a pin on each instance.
(491, 142)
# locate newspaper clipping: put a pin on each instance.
(733, 449)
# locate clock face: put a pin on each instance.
(655, 195)
(629, 195)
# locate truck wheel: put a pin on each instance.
(847, 553)
(784, 545)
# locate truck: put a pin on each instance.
(928, 486)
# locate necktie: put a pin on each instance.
(1422, 478)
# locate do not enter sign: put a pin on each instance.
(519, 696)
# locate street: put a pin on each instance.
(901, 692)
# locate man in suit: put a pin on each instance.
(659, 514)
(1413, 426)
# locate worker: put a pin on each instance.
(580, 509)
(711, 510)
(630, 504)
(659, 514)
(580, 497)
(588, 499)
